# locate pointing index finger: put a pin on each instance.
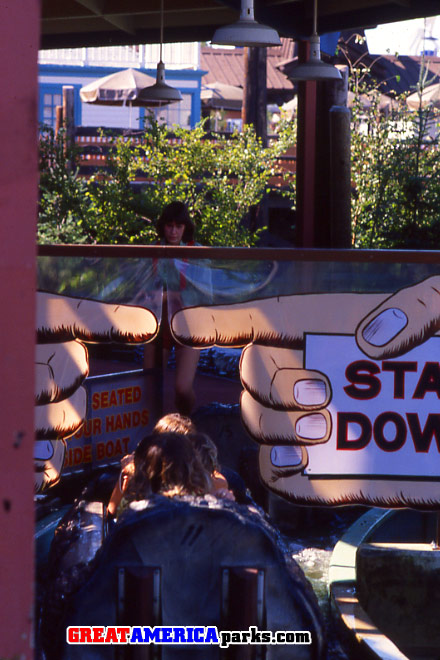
(278, 321)
(62, 318)
(405, 320)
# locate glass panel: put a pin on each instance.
(208, 281)
(129, 281)
(374, 398)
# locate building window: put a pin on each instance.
(176, 113)
(50, 102)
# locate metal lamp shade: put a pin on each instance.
(160, 93)
(246, 31)
(315, 68)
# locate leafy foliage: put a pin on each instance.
(395, 172)
(219, 179)
(395, 176)
(62, 204)
(119, 214)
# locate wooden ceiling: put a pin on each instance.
(75, 23)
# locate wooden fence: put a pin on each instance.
(94, 149)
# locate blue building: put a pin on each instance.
(79, 67)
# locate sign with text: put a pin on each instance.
(385, 414)
(120, 412)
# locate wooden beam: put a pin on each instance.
(96, 6)
(18, 203)
(124, 22)
(326, 7)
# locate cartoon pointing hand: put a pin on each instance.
(282, 402)
(405, 320)
(284, 406)
(63, 324)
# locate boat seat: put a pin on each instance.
(196, 562)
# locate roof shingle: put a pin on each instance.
(226, 65)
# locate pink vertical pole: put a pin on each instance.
(18, 206)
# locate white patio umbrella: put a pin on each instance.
(290, 107)
(120, 88)
(221, 95)
(429, 96)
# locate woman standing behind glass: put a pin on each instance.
(174, 227)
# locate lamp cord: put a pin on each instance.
(161, 30)
(315, 18)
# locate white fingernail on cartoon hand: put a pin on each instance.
(311, 427)
(385, 327)
(310, 392)
(285, 455)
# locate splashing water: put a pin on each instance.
(312, 551)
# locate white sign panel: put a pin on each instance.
(385, 414)
(120, 412)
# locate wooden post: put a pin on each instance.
(20, 23)
(336, 91)
(329, 93)
(436, 542)
(254, 111)
(254, 108)
(306, 157)
(69, 115)
(340, 177)
(58, 119)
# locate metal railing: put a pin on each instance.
(146, 56)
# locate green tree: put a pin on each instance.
(396, 174)
(219, 179)
(116, 213)
(62, 202)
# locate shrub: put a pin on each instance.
(220, 180)
(396, 176)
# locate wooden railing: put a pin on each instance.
(94, 148)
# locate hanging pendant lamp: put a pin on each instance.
(315, 68)
(246, 31)
(160, 93)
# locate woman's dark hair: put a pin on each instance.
(173, 466)
(206, 449)
(176, 212)
(167, 463)
(174, 423)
